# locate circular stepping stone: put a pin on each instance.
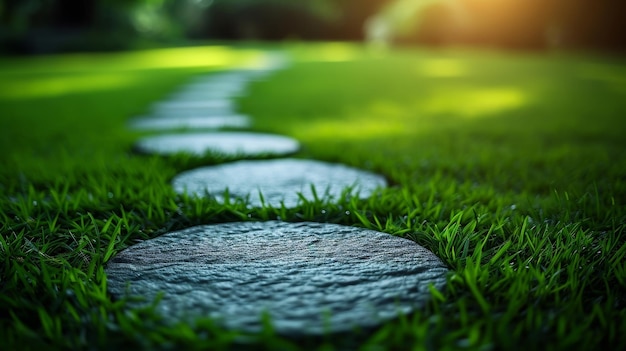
(232, 87)
(193, 95)
(227, 77)
(194, 104)
(278, 181)
(310, 278)
(184, 122)
(188, 106)
(226, 143)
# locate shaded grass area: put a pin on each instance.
(510, 168)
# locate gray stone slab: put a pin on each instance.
(226, 143)
(189, 122)
(192, 112)
(278, 181)
(194, 104)
(309, 278)
(230, 87)
(192, 94)
(241, 76)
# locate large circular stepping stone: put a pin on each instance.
(276, 182)
(193, 122)
(309, 278)
(225, 143)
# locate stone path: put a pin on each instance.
(279, 181)
(194, 122)
(310, 278)
(225, 143)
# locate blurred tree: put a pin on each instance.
(352, 16)
(280, 19)
(264, 20)
(57, 25)
(527, 24)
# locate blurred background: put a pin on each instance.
(44, 26)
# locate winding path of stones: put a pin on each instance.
(309, 278)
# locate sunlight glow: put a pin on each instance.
(47, 87)
(192, 57)
(475, 102)
(378, 119)
(354, 129)
(72, 73)
(441, 68)
(329, 52)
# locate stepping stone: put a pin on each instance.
(232, 87)
(279, 181)
(309, 278)
(197, 104)
(225, 143)
(192, 113)
(186, 107)
(206, 95)
(228, 77)
(194, 122)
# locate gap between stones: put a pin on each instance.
(310, 278)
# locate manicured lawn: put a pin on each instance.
(509, 167)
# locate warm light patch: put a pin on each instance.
(377, 119)
(354, 129)
(475, 102)
(441, 68)
(47, 87)
(330, 52)
(201, 57)
(193, 57)
(94, 72)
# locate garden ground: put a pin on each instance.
(509, 167)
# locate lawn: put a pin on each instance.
(510, 167)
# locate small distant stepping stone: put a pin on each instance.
(187, 106)
(199, 104)
(192, 95)
(225, 143)
(310, 278)
(228, 77)
(278, 181)
(232, 87)
(186, 122)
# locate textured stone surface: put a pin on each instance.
(195, 107)
(197, 104)
(189, 122)
(309, 277)
(278, 181)
(209, 87)
(227, 143)
(191, 94)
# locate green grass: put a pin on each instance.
(509, 167)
